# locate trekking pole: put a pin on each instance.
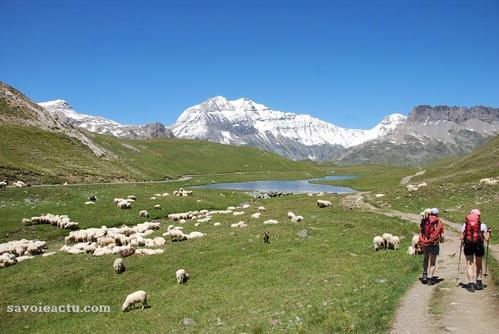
(459, 263)
(487, 254)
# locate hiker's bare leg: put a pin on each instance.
(433, 261)
(470, 266)
(425, 259)
(478, 260)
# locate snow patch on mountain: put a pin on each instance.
(231, 122)
(66, 114)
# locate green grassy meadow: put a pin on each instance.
(330, 282)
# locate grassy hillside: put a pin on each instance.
(482, 162)
(238, 284)
(453, 186)
(36, 155)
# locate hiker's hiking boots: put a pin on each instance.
(424, 279)
(479, 285)
(471, 287)
(432, 281)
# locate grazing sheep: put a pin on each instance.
(152, 198)
(194, 235)
(245, 206)
(310, 195)
(127, 252)
(3, 184)
(291, 215)
(378, 243)
(261, 208)
(144, 213)
(320, 194)
(132, 197)
(416, 245)
(231, 208)
(119, 266)
(182, 276)
(61, 221)
(147, 251)
(256, 215)
(19, 250)
(489, 181)
(92, 198)
(411, 251)
(89, 203)
(238, 213)
(217, 224)
(387, 237)
(297, 219)
(394, 243)
(379, 195)
(266, 237)
(323, 204)
(240, 224)
(270, 222)
(176, 235)
(19, 184)
(165, 194)
(135, 298)
(157, 207)
(124, 204)
(411, 187)
(422, 184)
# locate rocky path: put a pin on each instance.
(457, 310)
(406, 179)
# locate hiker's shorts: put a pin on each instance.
(432, 249)
(476, 249)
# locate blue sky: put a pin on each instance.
(347, 62)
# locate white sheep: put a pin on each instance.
(157, 207)
(320, 194)
(297, 219)
(217, 224)
(238, 225)
(194, 235)
(270, 222)
(152, 198)
(238, 213)
(124, 204)
(165, 194)
(378, 243)
(3, 184)
(256, 215)
(135, 298)
(261, 208)
(182, 276)
(411, 251)
(119, 266)
(387, 237)
(310, 195)
(323, 204)
(422, 184)
(394, 242)
(19, 184)
(89, 203)
(132, 197)
(489, 181)
(411, 187)
(144, 213)
(291, 215)
(147, 251)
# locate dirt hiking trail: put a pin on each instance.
(456, 310)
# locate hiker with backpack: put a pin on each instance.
(430, 236)
(473, 235)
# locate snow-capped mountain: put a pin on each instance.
(244, 122)
(67, 115)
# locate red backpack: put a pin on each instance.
(430, 226)
(472, 228)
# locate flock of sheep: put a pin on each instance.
(17, 184)
(390, 241)
(61, 221)
(16, 251)
(126, 240)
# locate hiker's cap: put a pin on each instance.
(434, 211)
(475, 212)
